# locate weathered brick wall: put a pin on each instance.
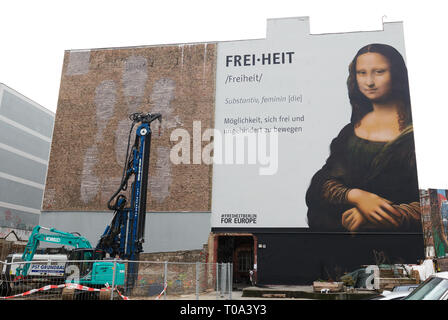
(442, 264)
(99, 89)
(181, 273)
(187, 256)
(8, 247)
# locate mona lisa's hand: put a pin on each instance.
(377, 210)
(352, 220)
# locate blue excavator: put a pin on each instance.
(123, 238)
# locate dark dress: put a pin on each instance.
(387, 169)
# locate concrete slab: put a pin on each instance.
(301, 292)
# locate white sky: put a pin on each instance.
(34, 35)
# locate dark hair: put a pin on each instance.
(361, 105)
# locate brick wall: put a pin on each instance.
(182, 273)
(99, 89)
(8, 247)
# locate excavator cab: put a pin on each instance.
(91, 267)
(80, 261)
(87, 267)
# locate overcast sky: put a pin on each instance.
(34, 35)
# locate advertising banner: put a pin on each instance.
(314, 132)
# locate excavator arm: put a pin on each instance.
(55, 236)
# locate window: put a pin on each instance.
(432, 289)
(245, 261)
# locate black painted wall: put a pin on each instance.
(303, 257)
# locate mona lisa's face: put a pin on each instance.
(373, 76)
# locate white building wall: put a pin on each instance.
(164, 231)
(25, 137)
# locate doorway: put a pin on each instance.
(239, 250)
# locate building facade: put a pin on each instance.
(100, 88)
(25, 137)
(246, 126)
(435, 222)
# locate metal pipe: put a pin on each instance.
(197, 280)
(113, 280)
(165, 279)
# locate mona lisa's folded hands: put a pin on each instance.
(352, 220)
(376, 211)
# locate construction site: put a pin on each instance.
(210, 171)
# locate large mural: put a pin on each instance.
(328, 128)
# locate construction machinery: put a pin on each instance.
(125, 235)
(85, 265)
(123, 238)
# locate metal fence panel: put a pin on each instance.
(154, 281)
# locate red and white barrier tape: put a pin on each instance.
(163, 291)
(68, 285)
(27, 293)
(84, 288)
(122, 296)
